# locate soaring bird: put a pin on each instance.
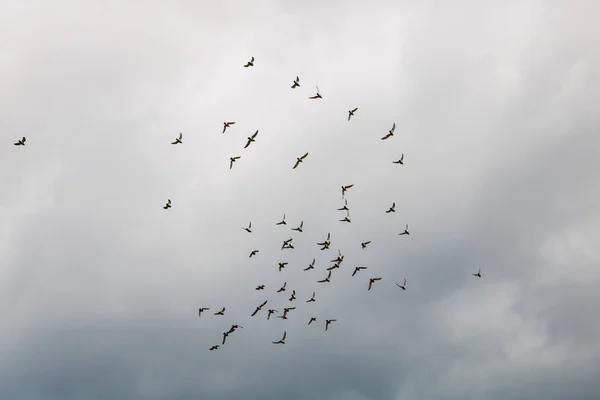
(316, 96)
(405, 231)
(296, 83)
(311, 299)
(178, 140)
(311, 266)
(250, 63)
(344, 188)
(299, 160)
(347, 219)
(326, 240)
(293, 296)
(248, 228)
(232, 160)
(260, 287)
(225, 334)
(392, 208)
(259, 308)
(287, 244)
(345, 208)
(168, 205)
(478, 274)
(233, 328)
(222, 312)
(253, 253)
(285, 312)
(400, 161)
(351, 113)
(364, 244)
(282, 289)
(356, 269)
(282, 265)
(299, 228)
(329, 321)
(372, 281)
(20, 142)
(282, 341)
(227, 125)
(390, 133)
(282, 222)
(215, 347)
(334, 266)
(201, 310)
(312, 319)
(251, 139)
(326, 279)
(403, 287)
(271, 312)
(339, 258)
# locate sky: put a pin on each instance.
(496, 113)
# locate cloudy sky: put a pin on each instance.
(496, 108)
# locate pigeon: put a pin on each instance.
(251, 139)
(20, 142)
(403, 287)
(296, 83)
(351, 113)
(316, 96)
(299, 160)
(250, 63)
(168, 205)
(178, 140)
(390, 133)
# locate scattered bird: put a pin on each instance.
(405, 231)
(282, 341)
(250, 63)
(215, 347)
(282, 265)
(253, 253)
(347, 218)
(351, 113)
(400, 161)
(403, 287)
(225, 334)
(282, 222)
(233, 328)
(222, 312)
(178, 140)
(299, 228)
(248, 228)
(372, 281)
(356, 269)
(201, 310)
(271, 312)
(296, 83)
(20, 142)
(260, 287)
(293, 296)
(478, 274)
(345, 208)
(312, 319)
(329, 321)
(259, 308)
(168, 205)
(227, 125)
(316, 96)
(392, 208)
(282, 289)
(390, 133)
(285, 312)
(326, 279)
(251, 139)
(232, 160)
(344, 188)
(311, 266)
(312, 299)
(334, 266)
(339, 258)
(364, 244)
(299, 160)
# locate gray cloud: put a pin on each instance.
(495, 113)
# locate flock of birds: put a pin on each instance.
(288, 243)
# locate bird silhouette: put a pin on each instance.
(373, 280)
(250, 63)
(296, 83)
(363, 245)
(312, 299)
(178, 140)
(392, 208)
(222, 312)
(390, 133)
(248, 228)
(344, 188)
(251, 139)
(168, 205)
(282, 222)
(356, 269)
(311, 266)
(478, 274)
(201, 310)
(299, 160)
(403, 287)
(282, 341)
(282, 289)
(329, 321)
(316, 96)
(299, 228)
(227, 125)
(405, 231)
(351, 113)
(400, 161)
(232, 160)
(253, 253)
(20, 142)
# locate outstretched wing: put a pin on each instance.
(304, 156)
(255, 133)
(393, 128)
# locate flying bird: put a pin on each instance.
(178, 140)
(400, 161)
(259, 308)
(356, 269)
(225, 334)
(364, 244)
(282, 289)
(215, 347)
(312, 319)
(248, 228)
(312, 299)
(285, 312)
(168, 205)
(271, 312)
(326, 279)
(405, 231)
(282, 341)
(299, 160)
(282, 222)
(372, 281)
(250, 63)
(347, 219)
(311, 266)
(392, 208)
(299, 228)
(345, 208)
(329, 321)
(282, 265)
(351, 113)
(253, 253)
(293, 296)
(478, 274)
(227, 125)
(233, 328)
(344, 188)
(251, 139)
(201, 310)
(20, 142)
(316, 96)
(260, 287)
(222, 312)
(334, 266)
(403, 287)
(390, 133)
(339, 258)
(232, 160)
(296, 83)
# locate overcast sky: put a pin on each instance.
(496, 112)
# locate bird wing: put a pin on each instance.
(255, 133)
(386, 136)
(230, 164)
(370, 284)
(224, 127)
(295, 165)
(284, 335)
(397, 284)
(356, 109)
(304, 156)
(248, 144)
(393, 128)
(252, 59)
(180, 135)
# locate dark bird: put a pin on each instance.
(251, 139)
(293, 296)
(299, 160)
(340, 257)
(405, 231)
(215, 347)
(282, 289)
(248, 228)
(168, 205)
(364, 244)
(285, 312)
(253, 253)
(232, 160)
(20, 142)
(326, 240)
(287, 244)
(233, 328)
(390, 133)
(299, 228)
(311, 266)
(345, 208)
(356, 269)
(201, 310)
(227, 125)
(222, 312)
(334, 266)
(250, 63)
(403, 287)
(351, 113)
(329, 321)
(478, 274)
(178, 140)
(282, 222)
(282, 265)
(312, 299)
(400, 161)
(316, 96)
(296, 83)
(260, 287)
(312, 319)
(373, 280)
(259, 308)
(271, 312)
(225, 334)
(392, 208)
(326, 279)
(347, 218)
(344, 188)
(325, 246)
(282, 341)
